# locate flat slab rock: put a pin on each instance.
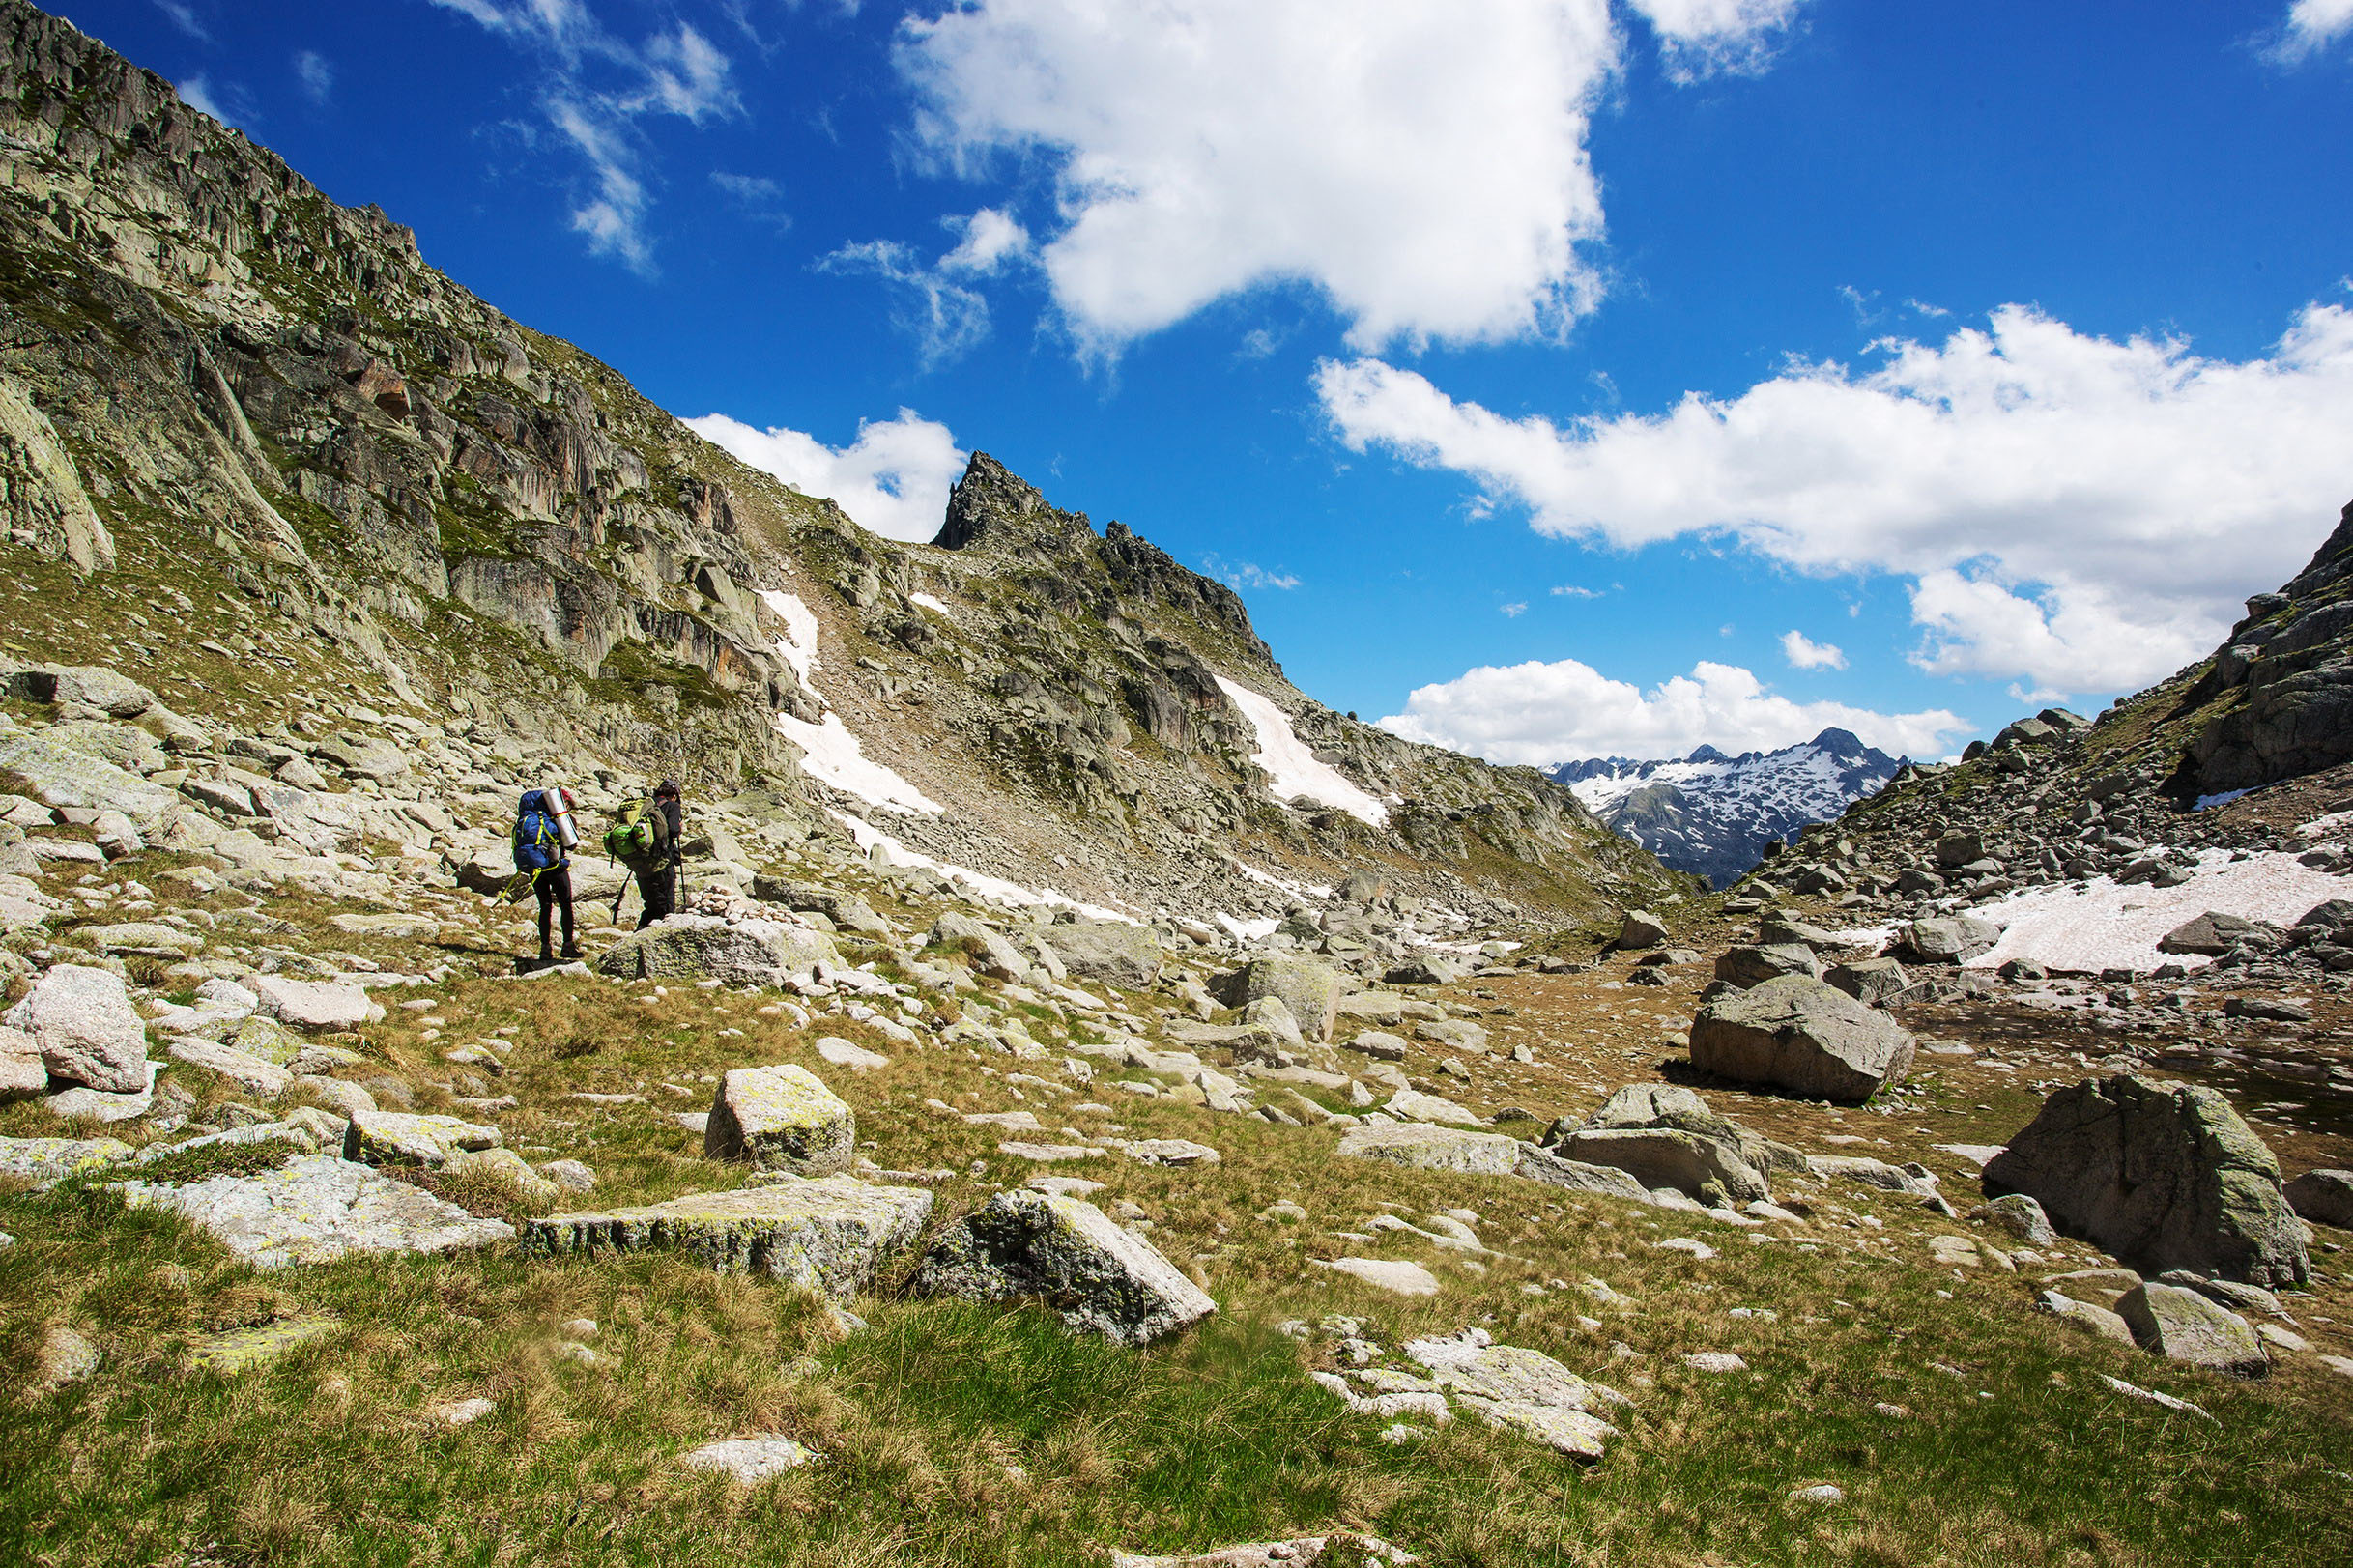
(832, 1233)
(1397, 1275)
(1096, 1278)
(47, 1161)
(750, 1460)
(315, 1209)
(1300, 1551)
(1520, 1390)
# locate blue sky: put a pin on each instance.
(1553, 376)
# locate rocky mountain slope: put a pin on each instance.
(253, 444)
(1711, 814)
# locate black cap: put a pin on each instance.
(668, 787)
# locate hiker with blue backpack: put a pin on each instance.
(544, 839)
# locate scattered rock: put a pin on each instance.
(830, 1235)
(240, 1349)
(2020, 1216)
(750, 1460)
(1715, 1361)
(1116, 952)
(326, 1006)
(739, 952)
(1517, 1389)
(1096, 1276)
(1311, 990)
(398, 1138)
(2323, 1197)
(1299, 1551)
(2183, 1326)
(844, 1053)
(1395, 1275)
(47, 1161)
(62, 1356)
(780, 1118)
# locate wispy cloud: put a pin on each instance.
(1572, 591)
(184, 16)
(316, 74)
(758, 196)
(595, 89)
(2309, 27)
(225, 102)
(936, 301)
(1244, 574)
(1515, 610)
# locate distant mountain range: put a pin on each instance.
(1713, 815)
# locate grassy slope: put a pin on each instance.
(2016, 1454)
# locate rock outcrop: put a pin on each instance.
(831, 1234)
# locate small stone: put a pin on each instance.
(63, 1357)
(460, 1412)
(1824, 1494)
(844, 1053)
(1715, 1361)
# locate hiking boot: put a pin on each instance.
(569, 956)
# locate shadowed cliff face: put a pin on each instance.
(212, 379)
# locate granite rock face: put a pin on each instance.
(2161, 1176)
(830, 1235)
(1796, 1033)
(1096, 1278)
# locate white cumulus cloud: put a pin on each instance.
(1701, 37)
(2083, 513)
(1540, 713)
(893, 480)
(1805, 653)
(1424, 166)
(2312, 26)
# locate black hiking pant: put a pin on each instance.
(658, 885)
(554, 886)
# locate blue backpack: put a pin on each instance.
(538, 845)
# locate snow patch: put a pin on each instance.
(829, 753)
(2102, 925)
(1312, 892)
(798, 648)
(1293, 773)
(929, 603)
(867, 836)
(1249, 930)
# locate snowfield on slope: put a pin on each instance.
(867, 836)
(829, 753)
(1293, 774)
(2100, 925)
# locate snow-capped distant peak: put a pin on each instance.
(1713, 815)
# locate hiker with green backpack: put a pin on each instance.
(645, 838)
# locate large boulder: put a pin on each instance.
(2182, 1326)
(1667, 1137)
(831, 1234)
(2323, 1197)
(780, 1118)
(1311, 990)
(1096, 1278)
(1116, 951)
(1640, 929)
(740, 953)
(2161, 1176)
(316, 1208)
(1947, 939)
(87, 1031)
(847, 910)
(1796, 1033)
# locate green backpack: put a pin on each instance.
(630, 838)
